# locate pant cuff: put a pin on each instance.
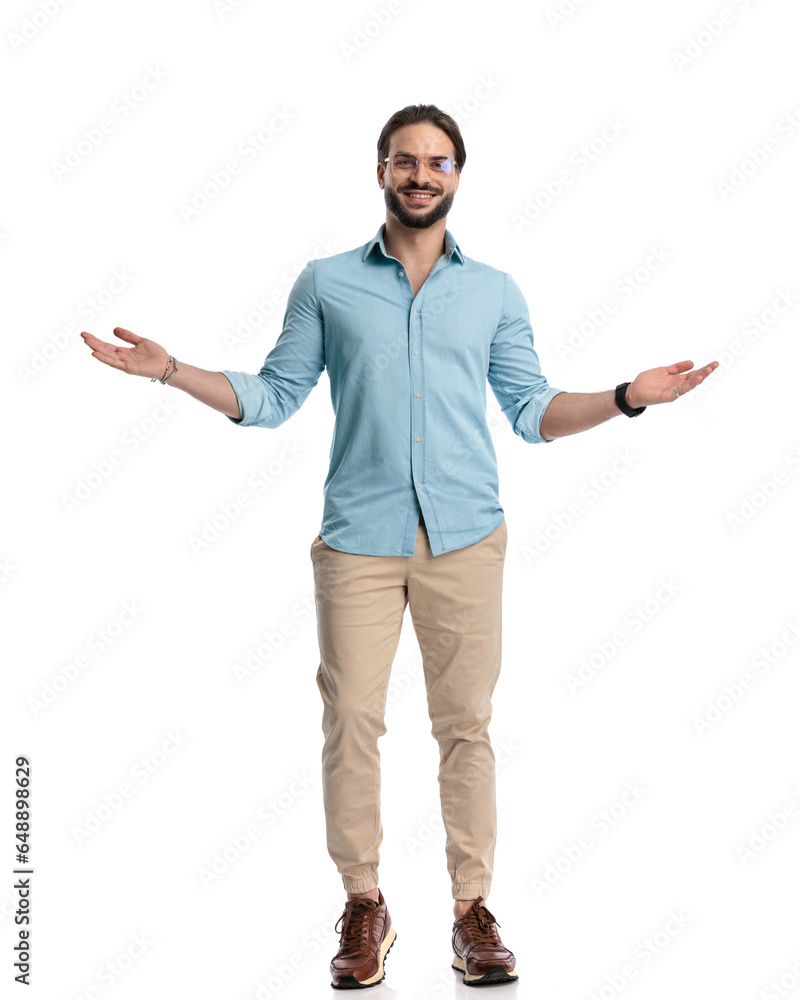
(470, 890)
(363, 884)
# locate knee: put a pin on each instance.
(468, 728)
(352, 715)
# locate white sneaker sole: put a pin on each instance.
(355, 984)
(495, 974)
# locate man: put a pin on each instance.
(410, 330)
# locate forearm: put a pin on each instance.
(572, 412)
(211, 388)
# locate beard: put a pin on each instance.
(417, 219)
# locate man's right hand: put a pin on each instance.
(146, 357)
(149, 359)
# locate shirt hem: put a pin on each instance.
(402, 556)
(350, 552)
(489, 532)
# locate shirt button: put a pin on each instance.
(401, 274)
(415, 312)
(419, 439)
(416, 352)
(419, 484)
(417, 395)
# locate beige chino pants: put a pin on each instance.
(456, 608)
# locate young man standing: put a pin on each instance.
(410, 330)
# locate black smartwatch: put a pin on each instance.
(619, 398)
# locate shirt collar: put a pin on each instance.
(451, 247)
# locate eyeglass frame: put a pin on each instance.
(424, 160)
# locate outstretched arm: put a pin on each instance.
(572, 412)
(149, 359)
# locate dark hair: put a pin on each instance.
(415, 114)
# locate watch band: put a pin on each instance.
(619, 399)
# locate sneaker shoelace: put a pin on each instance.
(355, 924)
(482, 924)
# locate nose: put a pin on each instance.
(420, 176)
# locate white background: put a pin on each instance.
(703, 169)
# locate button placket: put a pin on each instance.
(418, 414)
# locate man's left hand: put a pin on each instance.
(665, 385)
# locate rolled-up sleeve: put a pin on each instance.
(293, 366)
(514, 373)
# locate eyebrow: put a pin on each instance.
(436, 156)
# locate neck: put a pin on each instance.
(414, 247)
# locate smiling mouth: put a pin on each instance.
(419, 197)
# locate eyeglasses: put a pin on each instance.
(436, 166)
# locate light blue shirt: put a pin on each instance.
(408, 386)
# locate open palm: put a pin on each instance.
(664, 385)
(146, 357)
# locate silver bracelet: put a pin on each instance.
(163, 380)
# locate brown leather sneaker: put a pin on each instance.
(366, 937)
(478, 951)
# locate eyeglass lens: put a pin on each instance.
(438, 165)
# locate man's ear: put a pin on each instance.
(381, 172)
